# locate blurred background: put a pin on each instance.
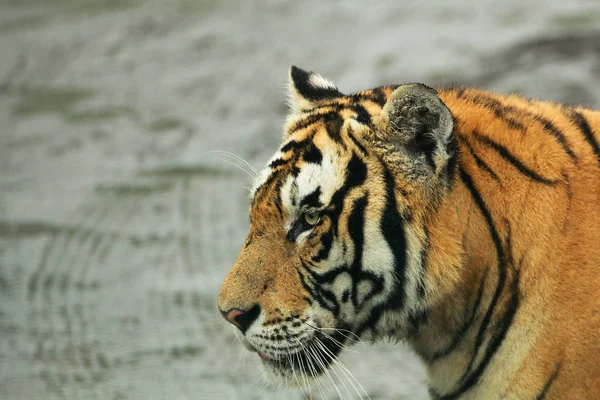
(118, 224)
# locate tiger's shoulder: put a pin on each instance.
(549, 135)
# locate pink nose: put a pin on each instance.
(240, 318)
(231, 316)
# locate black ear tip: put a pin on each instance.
(298, 74)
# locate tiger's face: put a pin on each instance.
(337, 235)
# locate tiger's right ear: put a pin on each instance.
(306, 88)
(415, 132)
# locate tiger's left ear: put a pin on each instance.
(309, 87)
(415, 132)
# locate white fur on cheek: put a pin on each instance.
(377, 255)
(264, 174)
(259, 181)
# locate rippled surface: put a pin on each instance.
(117, 226)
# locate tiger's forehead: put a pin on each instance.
(316, 148)
(320, 131)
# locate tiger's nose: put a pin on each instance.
(241, 318)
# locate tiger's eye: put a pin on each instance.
(312, 218)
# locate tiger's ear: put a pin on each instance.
(415, 131)
(308, 87)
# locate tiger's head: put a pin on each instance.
(338, 224)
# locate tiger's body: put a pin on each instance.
(461, 221)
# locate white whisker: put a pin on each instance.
(237, 166)
(338, 362)
(324, 368)
(235, 156)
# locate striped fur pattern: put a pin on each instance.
(461, 221)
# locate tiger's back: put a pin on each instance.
(535, 168)
(459, 220)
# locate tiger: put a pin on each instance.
(462, 222)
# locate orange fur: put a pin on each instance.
(546, 220)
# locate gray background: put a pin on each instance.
(116, 223)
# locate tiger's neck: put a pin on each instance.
(473, 290)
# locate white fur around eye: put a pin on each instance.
(322, 175)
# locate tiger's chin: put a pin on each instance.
(299, 368)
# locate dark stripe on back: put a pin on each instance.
(499, 109)
(542, 394)
(480, 163)
(506, 155)
(588, 134)
(554, 131)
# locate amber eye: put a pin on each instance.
(312, 218)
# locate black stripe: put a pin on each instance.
(459, 335)
(326, 243)
(356, 229)
(480, 163)
(276, 163)
(325, 298)
(333, 126)
(356, 174)
(469, 379)
(392, 228)
(542, 394)
(312, 154)
(416, 320)
(588, 134)
(324, 277)
(423, 258)
(496, 340)
(452, 151)
(292, 144)
(362, 148)
(376, 95)
(312, 199)
(306, 89)
(362, 115)
(554, 131)
(499, 109)
(308, 121)
(506, 155)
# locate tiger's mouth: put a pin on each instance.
(310, 358)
